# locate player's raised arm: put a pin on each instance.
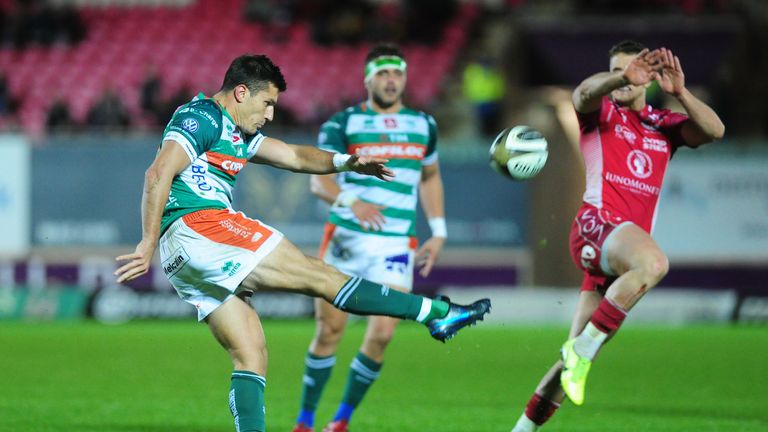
(704, 124)
(170, 161)
(640, 71)
(307, 159)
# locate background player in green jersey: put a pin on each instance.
(371, 227)
(216, 257)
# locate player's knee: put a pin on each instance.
(379, 338)
(654, 268)
(329, 332)
(253, 359)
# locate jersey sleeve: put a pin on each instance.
(332, 137)
(254, 142)
(671, 125)
(430, 157)
(591, 120)
(196, 127)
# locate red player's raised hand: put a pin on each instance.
(671, 78)
(644, 68)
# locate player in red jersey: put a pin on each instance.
(626, 146)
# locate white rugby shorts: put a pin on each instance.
(388, 260)
(208, 253)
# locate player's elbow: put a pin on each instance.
(582, 99)
(152, 175)
(719, 132)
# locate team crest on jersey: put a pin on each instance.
(639, 164)
(624, 132)
(190, 124)
(390, 123)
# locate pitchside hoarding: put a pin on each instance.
(714, 208)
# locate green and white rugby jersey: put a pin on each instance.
(217, 149)
(407, 138)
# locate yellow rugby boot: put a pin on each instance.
(573, 378)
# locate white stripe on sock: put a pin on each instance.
(258, 378)
(426, 307)
(343, 291)
(323, 363)
(363, 370)
(349, 292)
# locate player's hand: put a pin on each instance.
(138, 262)
(427, 255)
(371, 166)
(369, 215)
(671, 78)
(643, 68)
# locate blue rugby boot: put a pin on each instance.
(457, 318)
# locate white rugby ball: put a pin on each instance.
(519, 152)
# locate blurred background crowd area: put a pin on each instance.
(123, 66)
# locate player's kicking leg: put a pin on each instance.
(634, 255)
(287, 269)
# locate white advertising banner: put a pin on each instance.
(714, 208)
(14, 195)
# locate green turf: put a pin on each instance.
(169, 376)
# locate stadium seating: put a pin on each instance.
(191, 47)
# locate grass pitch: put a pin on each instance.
(169, 376)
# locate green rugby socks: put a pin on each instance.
(363, 297)
(246, 401)
(316, 374)
(362, 373)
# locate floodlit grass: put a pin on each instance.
(168, 376)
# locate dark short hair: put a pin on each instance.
(255, 72)
(384, 49)
(627, 46)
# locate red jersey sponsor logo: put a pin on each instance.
(633, 184)
(655, 144)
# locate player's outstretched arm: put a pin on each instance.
(307, 159)
(705, 125)
(170, 160)
(640, 71)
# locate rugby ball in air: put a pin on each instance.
(519, 152)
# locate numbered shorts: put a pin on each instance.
(592, 228)
(208, 253)
(386, 260)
